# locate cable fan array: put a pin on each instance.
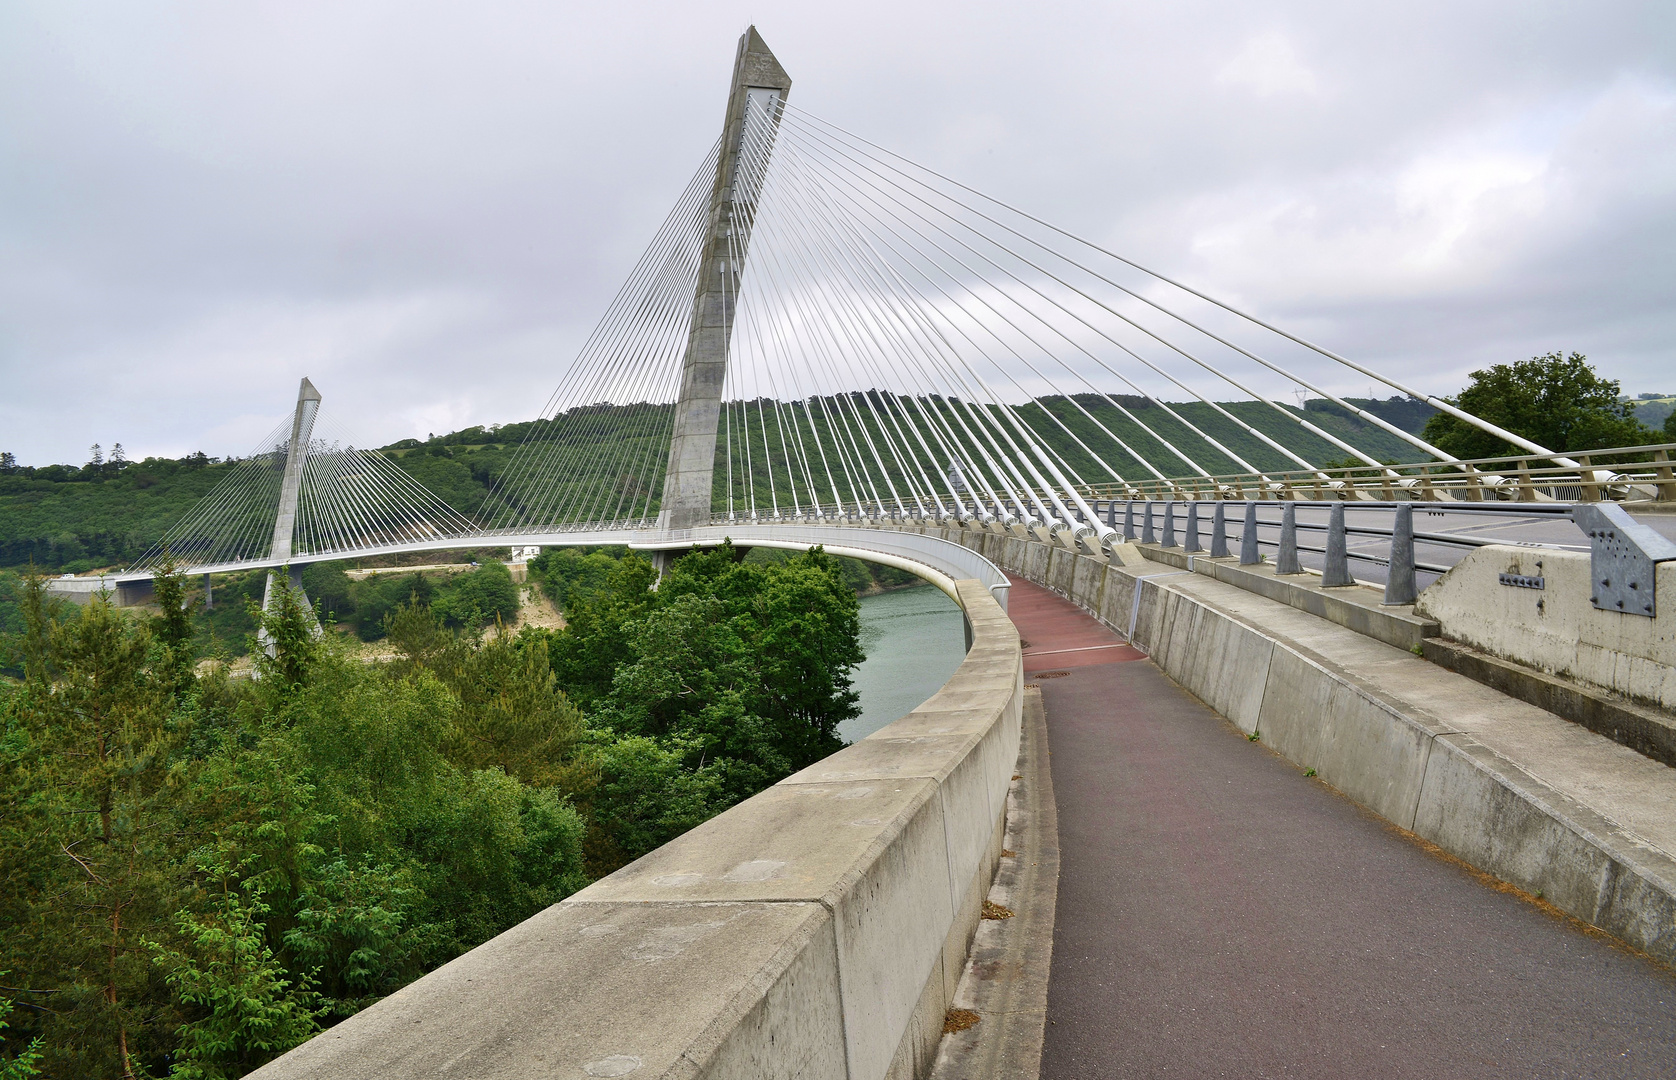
(902, 345)
(348, 499)
(596, 456)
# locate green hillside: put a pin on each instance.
(64, 518)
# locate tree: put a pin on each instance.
(1555, 401)
(289, 642)
(100, 835)
(1670, 427)
(743, 662)
(223, 968)
(26, 1063)
(512, 715)
(479, 597)
(172, 627)
(585, 654)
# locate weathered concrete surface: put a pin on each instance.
(1642, 728)
(82, 590)
(817, 929)
(1514, 790)
(1006, 977)
(1556, 629)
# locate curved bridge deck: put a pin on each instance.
(1221, 914)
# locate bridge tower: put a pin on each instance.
(296, 457)
(759, 85)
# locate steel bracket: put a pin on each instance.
(1623, 556)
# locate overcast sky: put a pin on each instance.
(424, 207)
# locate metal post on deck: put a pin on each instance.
(1399, 579)
(1193, 527)
(1219, 531)
(1128, 520)
(1335, 572)
(1170, 524)
(1248, 537)
(1286, 562)
(1147, 535)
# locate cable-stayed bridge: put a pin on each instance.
(824, 334)
(828, 343)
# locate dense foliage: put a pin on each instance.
(202, 871)
(1555, 401)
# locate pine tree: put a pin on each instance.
(100, 819)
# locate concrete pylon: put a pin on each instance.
(759, 82)
(296, 456)
(285, 521)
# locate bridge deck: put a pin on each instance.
(1220, 914)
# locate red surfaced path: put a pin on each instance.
(1058, 634)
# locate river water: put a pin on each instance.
(914, 639)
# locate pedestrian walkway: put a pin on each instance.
(1220, 914)
(1060, 635)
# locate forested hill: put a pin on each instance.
(105, 514)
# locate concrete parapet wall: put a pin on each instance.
(815, 930)
(82, 591)
(1501, 784)
(1557, 629)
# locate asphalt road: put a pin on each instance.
(1222, 915)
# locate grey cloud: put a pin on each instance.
(425, 206)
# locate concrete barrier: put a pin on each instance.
(1560, 811)
(1556, 628)
(817, 929)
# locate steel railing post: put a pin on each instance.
(1335, 572)
(1248, 536)
(1399, 578)
(1286, 562)
(1219, 531)
(1170, 524)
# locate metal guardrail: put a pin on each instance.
(1619, 474)
(1159, 523)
